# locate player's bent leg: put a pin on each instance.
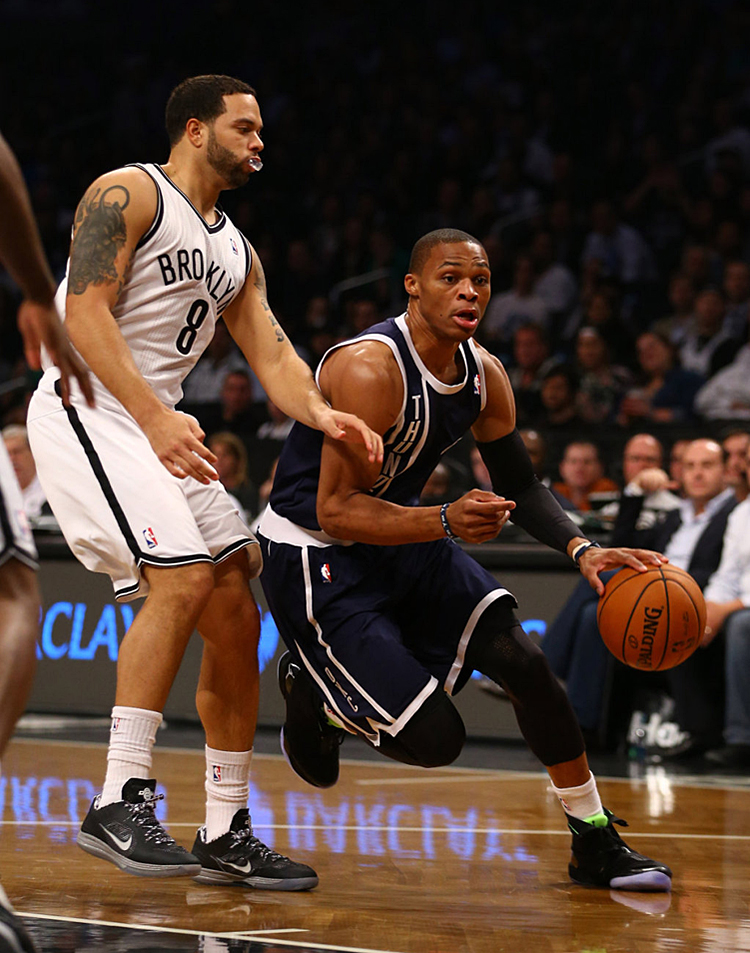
(227, 701)
(433, 737)
(501, 650)
(19, 622)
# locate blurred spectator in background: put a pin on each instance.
(735, 444)
(676, 453)
(726, 396)
(508, 311)
(204, 383)
(642, 461)
(601, 311)
(17, 444)
(583, 481)
(559, 395)
(682, 303)
(531, 362)
(728, 601)
(621, 250)
(231, 465)
(665, 392)
(706, 345)
(237, 411)
(265, 445)
(737, 293)
(555, 283)
(602, 383)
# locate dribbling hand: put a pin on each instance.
(479, 515)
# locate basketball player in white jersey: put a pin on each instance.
(153, 265)
(21, 253)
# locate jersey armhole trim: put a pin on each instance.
(480, 368)
(248, 255)
(158, 215)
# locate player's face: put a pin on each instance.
(234, 140)
(452, 289)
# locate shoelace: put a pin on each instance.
(144, 815)
(246, 838)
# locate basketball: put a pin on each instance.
(652, 620)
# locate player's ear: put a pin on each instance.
(411, 283)
(194, 131)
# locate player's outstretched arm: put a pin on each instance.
(537, 511)
(22, 254)
(285, 377)
(110, 220)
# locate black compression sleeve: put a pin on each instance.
(537, 511)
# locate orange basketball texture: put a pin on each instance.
(652, 620)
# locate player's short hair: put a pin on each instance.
(441, 236)
(202, 98)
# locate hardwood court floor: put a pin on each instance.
(410, 861)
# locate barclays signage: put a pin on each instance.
(77, 630)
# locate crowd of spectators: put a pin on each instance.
(603, 161)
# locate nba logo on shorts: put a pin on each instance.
(115, 724)
(217, 772)
(233, 243)
(477, 384)
(325, 572)
(150, 536)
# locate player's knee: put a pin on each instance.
(435, 736)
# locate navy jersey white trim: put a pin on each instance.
(434, 415)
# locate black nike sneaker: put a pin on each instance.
(601, 858)
(127, 834)
(309, 742)
(239, 858)
(13, 935)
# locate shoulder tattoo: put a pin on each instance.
(260, 284)
(100, 233)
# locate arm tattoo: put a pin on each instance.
(260, 284)
(100, 232)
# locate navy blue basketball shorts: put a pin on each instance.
(378, 628)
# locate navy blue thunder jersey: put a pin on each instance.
(433, 417)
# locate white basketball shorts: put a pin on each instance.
(117, 505)
(16, 541)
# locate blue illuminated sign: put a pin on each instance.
(69, 630)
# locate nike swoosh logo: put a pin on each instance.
(244, 868)
(122, 843)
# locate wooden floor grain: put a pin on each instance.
(410, 861)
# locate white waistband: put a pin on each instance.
(281, 530)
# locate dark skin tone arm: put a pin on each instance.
(22, 254)
(364, 379)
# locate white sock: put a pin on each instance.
(227, 788)
(582, 801)
(131, 739)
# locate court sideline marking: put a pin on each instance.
(248, 935)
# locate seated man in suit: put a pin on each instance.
(692, 538)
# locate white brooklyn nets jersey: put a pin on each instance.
(183, 275)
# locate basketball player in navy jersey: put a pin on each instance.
(384, 615)
(153, 265)
(22, 254)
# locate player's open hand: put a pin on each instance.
(40, 324)
(479, 515)
(177, 440)
(597, 560)
(341, 426)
